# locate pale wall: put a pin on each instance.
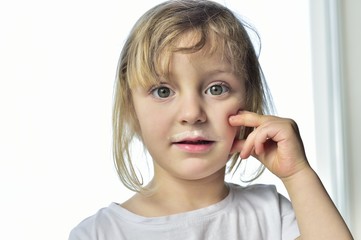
(351, 25)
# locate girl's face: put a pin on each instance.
(184, 120)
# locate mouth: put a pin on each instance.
(193, 141)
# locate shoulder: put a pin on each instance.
(260, 196)
(96, 226)
(266, 206)
(254, 191)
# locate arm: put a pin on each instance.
(276, 142)
(317, 216)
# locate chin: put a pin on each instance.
(197, 169)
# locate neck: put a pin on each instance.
(171, 195)
(180, 195)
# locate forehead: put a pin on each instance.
(187, 48)
(190, 41)
(196, 42)
(201, 62)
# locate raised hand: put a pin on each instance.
(275, 141)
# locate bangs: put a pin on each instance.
(194, 41)
(185, 28)
(146, 72)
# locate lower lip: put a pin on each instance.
(194, 148)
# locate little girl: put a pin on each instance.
(190, 88)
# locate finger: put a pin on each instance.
(237, 146)
(248, 145)
(257, 140)
(248, 119)
(265, 134)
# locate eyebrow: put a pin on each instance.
(219, 71)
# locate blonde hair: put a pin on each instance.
(145, 57)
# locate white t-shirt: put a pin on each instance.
(255, 212)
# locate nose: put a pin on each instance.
(192, 110)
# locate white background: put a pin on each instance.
(57, 69)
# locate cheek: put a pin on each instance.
(151, 126)
(221, 114)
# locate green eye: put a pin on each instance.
(217, 89)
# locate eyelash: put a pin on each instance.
(154, 90)
(154, 93)
(225, 88)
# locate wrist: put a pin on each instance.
(302, 176)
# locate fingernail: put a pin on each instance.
(233, 117)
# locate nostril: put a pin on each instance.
(191, 110)
(195, 119)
